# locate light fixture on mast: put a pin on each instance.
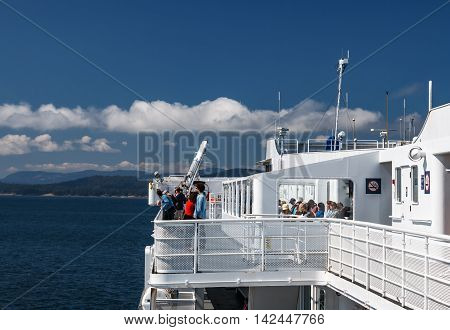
(342, 64)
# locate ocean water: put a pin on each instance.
(38, 235)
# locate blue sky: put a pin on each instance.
(234, 54)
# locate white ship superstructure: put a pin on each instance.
(392, 251)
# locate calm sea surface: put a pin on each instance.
(38, 235)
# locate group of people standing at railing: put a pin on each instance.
(177, 206)
(311, 209)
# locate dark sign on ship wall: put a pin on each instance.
(427, 182)
(373, 186)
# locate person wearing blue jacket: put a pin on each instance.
(167, 207)
(200, 205)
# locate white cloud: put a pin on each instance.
(14, 145)
(221, 114)
(98, 145)
(46, 117)
(73, 167)
(85, 139)
(44, 143)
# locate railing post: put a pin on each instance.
(425, 289)
(403, 269)
(263, 245)
(340, 249)
(383, 285)
(328, 244)
(195, 247)
(304, 241)
(367, 258)
(353, 253)
(308, 145)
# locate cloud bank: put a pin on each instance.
(14, 144)
(72, 167)
(221, 114)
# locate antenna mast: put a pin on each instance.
(279, 107)
(342, 64)
(404, 119)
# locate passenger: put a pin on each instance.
(312, 210)
(180, 200)
(296, 207)
(321, 210)
(189, 208)
(304, 210)
(334, 210)
(329, 212)
(339, 211)
(292, 202)
(200, 204)
(167, 207)
(285, 209)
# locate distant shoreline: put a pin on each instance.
(72, 196)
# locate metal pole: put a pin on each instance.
(195, 247)
(337, 106)
(404, 118)
(387, 116)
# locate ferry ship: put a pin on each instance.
(391, 251)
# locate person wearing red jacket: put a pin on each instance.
(189, 208)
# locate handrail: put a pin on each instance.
(277, 217)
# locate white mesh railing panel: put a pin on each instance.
(407, 267)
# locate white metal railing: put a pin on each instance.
(408, 267)
(215, 206)
(191, 246)
(317, 145)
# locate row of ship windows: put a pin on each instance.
(238, 198)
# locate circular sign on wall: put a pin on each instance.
(373, 186)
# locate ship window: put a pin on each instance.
(321, 302)
(415, 184)
(398, 184)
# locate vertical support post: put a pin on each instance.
(427, 270)
(353, 253)
(403, 269)
(340, 249)
(243, 191)
(387, 118)
(328, 245)
(304, 242)
(195, 247)
(247, 196)
(263, 246)
(430, 95)
(383, 284)
(367, 258)
(236, 194)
